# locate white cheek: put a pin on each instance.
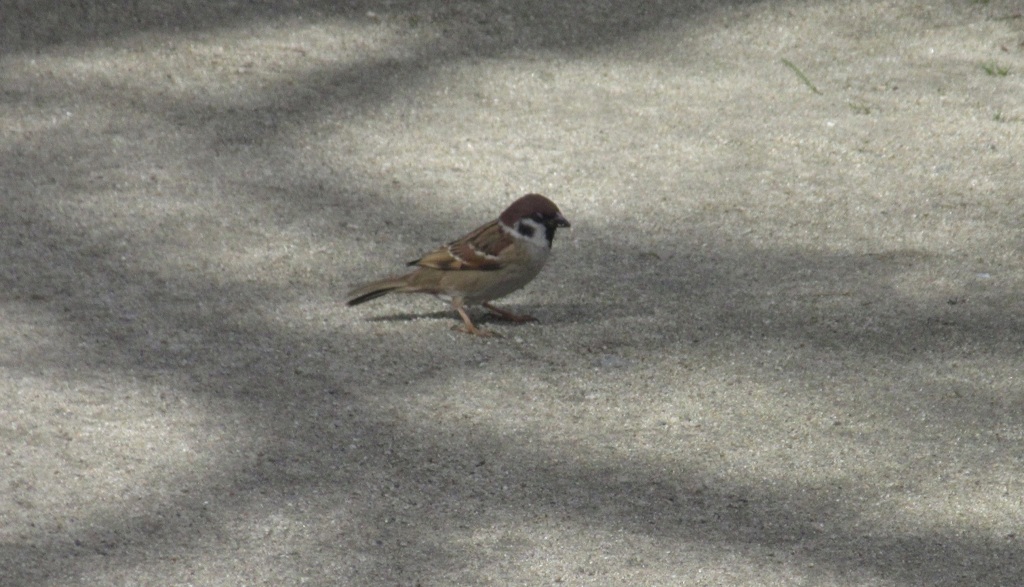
(538, 237)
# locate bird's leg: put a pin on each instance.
(469, 327)
(506, 315)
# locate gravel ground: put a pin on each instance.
(781, 344)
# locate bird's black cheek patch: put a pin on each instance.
(525, 229)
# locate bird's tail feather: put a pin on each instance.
(374, 290)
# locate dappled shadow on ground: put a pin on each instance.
(64, 273)
(117, 315)
(479, 27)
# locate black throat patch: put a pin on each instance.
(549, 233)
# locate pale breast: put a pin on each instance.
(519, 266)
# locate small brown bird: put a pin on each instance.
(486, 264)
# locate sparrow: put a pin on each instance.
(491, 262)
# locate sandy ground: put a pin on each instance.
(781, 345)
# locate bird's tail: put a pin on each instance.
(374, 290)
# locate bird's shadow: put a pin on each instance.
(478, 316)
(410, 316)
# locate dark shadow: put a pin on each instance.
(409, 317)
(478, 317)
(683, 505)
(479, 28)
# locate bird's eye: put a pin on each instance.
(538, 217)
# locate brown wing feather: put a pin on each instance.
(477, 251)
